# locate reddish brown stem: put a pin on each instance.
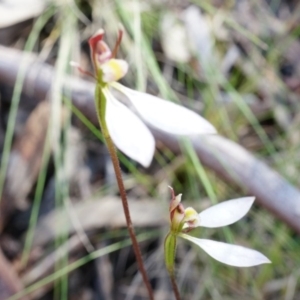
(175, 287)
(135, 245)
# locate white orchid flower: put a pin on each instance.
(222, 214)
(128, 130)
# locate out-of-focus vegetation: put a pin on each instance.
(237, 63)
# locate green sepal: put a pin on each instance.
(170, 252)
(100, 103)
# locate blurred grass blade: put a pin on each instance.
(30, 43)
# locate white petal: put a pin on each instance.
(165, 115)
(128, 132)
(232, 255)
(225, 213)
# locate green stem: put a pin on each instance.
(101, 107)
(170, 251)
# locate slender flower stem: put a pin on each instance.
(174, 286)
(101, 106)
(136, 248)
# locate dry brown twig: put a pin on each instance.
(228, 159)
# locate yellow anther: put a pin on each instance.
(114, 69)
(190, 215)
